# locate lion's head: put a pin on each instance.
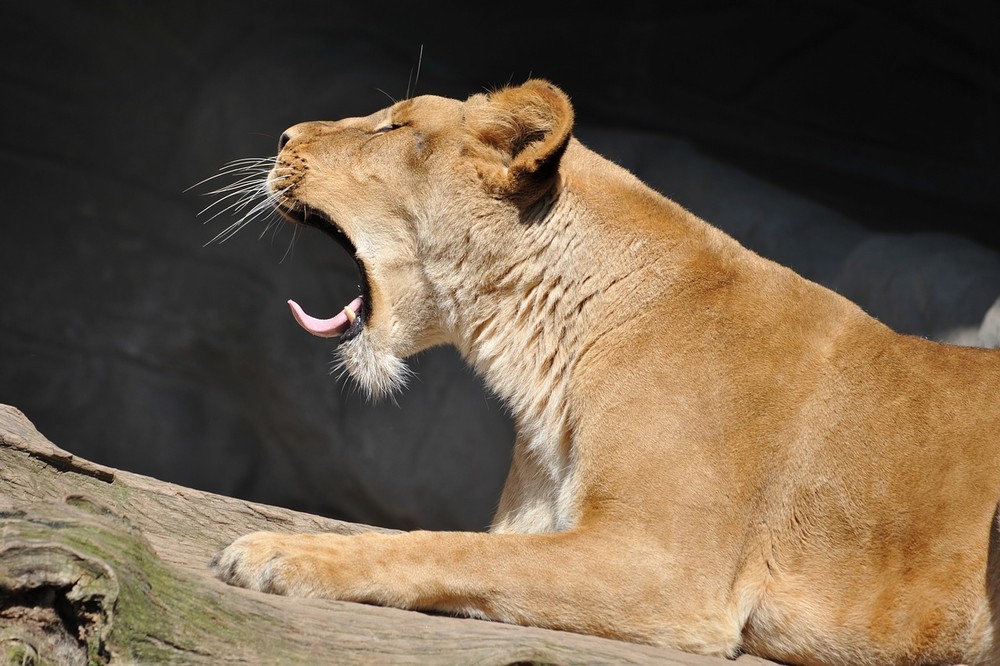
(414, 192)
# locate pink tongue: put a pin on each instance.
(325, 328)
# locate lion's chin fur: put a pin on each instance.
(378, 372)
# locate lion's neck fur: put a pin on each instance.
(523, 307)
(519, 326)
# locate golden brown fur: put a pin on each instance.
(713, 453)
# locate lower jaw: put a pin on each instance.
(355, 329)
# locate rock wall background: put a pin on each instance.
(858, 143)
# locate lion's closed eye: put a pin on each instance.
(389, 127)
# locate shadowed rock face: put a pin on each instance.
(855, 146)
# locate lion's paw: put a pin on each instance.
(257, 561)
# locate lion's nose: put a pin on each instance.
(283, 140)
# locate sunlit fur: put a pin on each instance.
(379, 374)
(712, 453)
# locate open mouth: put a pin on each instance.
(350, 321)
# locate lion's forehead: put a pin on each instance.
(428, 110)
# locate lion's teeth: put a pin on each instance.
(350, 314)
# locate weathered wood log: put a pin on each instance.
(99, 565)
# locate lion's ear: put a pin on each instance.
(519, 134)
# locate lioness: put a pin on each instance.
(713, 453)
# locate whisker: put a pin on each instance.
(233, 167)
(273, 225)
(237, 193)
(251, 196)
(256, 189)
(242, 182)
(420, 59)
(237, 205)
(289, 251)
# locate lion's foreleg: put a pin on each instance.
(577, 581)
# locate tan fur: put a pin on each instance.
(713, 453)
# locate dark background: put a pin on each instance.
(858, 142)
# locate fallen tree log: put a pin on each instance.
(99, 565)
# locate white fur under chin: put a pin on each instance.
(379, 373)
